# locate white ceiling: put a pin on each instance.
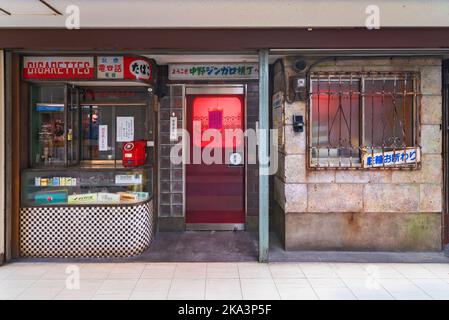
(225, 13)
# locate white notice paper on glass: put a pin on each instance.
(125, 129)
(173, 129)
(103, 137)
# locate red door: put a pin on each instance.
(215, 183)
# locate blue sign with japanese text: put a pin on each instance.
(392, 158)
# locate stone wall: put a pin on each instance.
(363, 209)
(2, 159)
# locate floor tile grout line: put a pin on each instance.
(25, 289)
(99, 287)
(60, 290)
(205, 282)
(341, 279)
(414, 284)
(407, 278)
(425, 292)
(378, 281)
(135, 285)
(308, 281)
(240, 282)
(274, 282)
(171, 281)
(436, 274)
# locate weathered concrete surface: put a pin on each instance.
(279, 254)
(382, 204)
(369, 231)
(391, 198)
(431, 171)
(430, 198)
(431, 109)
(431, 80)
(431, 138)
(295, 197)
(334, 198)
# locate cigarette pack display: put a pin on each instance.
(85, 187)
(50, 197)
(108, 197)
(142, 195)
(55, 182)
(83, 198)
(128, 196)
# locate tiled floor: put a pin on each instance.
(226, 281)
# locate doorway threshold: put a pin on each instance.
(202, 246)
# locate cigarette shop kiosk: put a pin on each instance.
(87, 188)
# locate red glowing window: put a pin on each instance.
(220, 119)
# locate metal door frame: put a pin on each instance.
(216, 89)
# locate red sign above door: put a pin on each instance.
(58, 68)
(138, 68)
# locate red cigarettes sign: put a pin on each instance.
(58, 68)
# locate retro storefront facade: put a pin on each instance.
(97, 177)
(361, 149)
(86, 183)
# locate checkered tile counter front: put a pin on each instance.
(86, 232)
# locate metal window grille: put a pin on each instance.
(363, 120)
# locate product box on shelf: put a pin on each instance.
(107, 197)
(83, 198)
(50, 197)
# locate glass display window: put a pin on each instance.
(77, 137)
(48, 125)
(110, 118)
(46, 187)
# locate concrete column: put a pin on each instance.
(263, 154)
(2, 157)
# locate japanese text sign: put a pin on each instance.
(127, 68)
(391, 158)
(213, 71)
(110, 67)
(138, 68)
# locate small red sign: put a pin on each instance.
(58, 68)
(138, 68)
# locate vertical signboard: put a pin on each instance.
(109, 67)
(102, 138)
(173, 128)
